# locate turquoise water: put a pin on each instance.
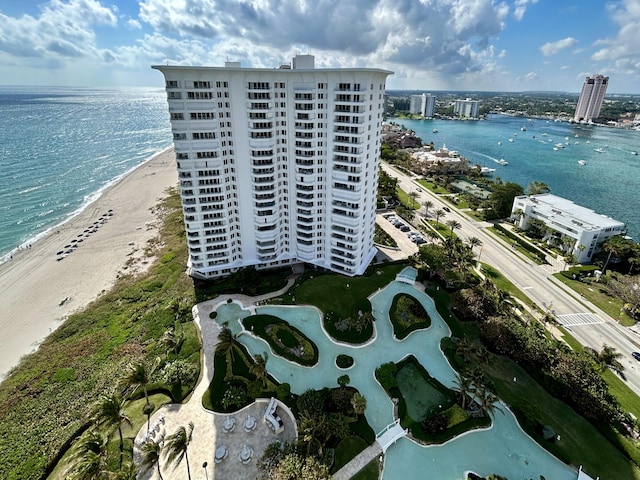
(609, 182)
(504, 449)
(60, 147)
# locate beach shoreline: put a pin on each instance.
(40, 290)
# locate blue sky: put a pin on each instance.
(491, 45)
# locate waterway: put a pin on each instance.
(608, 183)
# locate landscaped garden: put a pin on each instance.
(284, 340)
(407, 315)
(344, 302)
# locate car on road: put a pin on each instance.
(446, 209)
(419, 240)
(636, 355)
(405, 228)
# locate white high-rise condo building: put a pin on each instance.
(591, 97)
(277, 166)
(422, 104)
(467, 108)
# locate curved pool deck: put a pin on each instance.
(504, 448)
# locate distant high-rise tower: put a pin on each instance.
(591, 97)
(467, 108)
(422, 104)
(277, 166)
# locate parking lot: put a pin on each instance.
(405, 245)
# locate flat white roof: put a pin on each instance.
(554, 206)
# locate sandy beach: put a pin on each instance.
(39, 291)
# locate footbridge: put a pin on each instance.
(384, 439)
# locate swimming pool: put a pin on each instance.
(504, 449)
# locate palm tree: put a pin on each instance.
(464, 386)
(359, 403)
(173, 338)
(608, 358)
(486, 400)
(439, 213)
(465, 348)
(226, 342)
(88, 459)
(453, 224)
(176, 446)
(413, 195)
(259, 367)
(310, 428)
(615, 246)
(139, 375)
(150, 452)
(109, 411)
(474, 242)
(427, 204)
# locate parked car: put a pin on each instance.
(446, 209)
(405, 228)
(398, 224)
(420, 240)
(636, 355)
(412, 235)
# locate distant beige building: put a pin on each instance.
(442, 161)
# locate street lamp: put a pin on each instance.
(204, 466)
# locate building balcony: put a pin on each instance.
(264, 144)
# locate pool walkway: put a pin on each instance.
(387, 437)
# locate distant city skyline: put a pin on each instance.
(465, 45)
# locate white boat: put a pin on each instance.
(582, 162)
(634, 153)
(499, 143)
(560, 145)
(435, 130)
(486, 170)
(599, 150)
(502, 161)
(511, 139)
(587, 141)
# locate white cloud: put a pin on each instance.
(520, 7)
(623, 48)
(449, 36)
(551, 48)
(134, 24)
(62, 30)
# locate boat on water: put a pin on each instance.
(502, 161)
(499, 143)
(634, 153)
(599, 150)
(435, 130)
(582, 162)
(560, 145)
(487, 170)
(511, 139)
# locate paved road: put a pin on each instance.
(596, 327)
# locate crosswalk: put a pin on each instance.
(577, 319)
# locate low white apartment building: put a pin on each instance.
(277, 166)
(586, 228)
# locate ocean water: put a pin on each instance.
(61, 147)
(608, 183)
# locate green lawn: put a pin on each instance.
(598, 295)
(580, 442)
(433, 187)
(345, 296)
(404, 199)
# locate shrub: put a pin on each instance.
(344, 361)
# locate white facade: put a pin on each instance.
(277, 166)
(467, 108)
(422, 105)
(586, 228)
(591, 97)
